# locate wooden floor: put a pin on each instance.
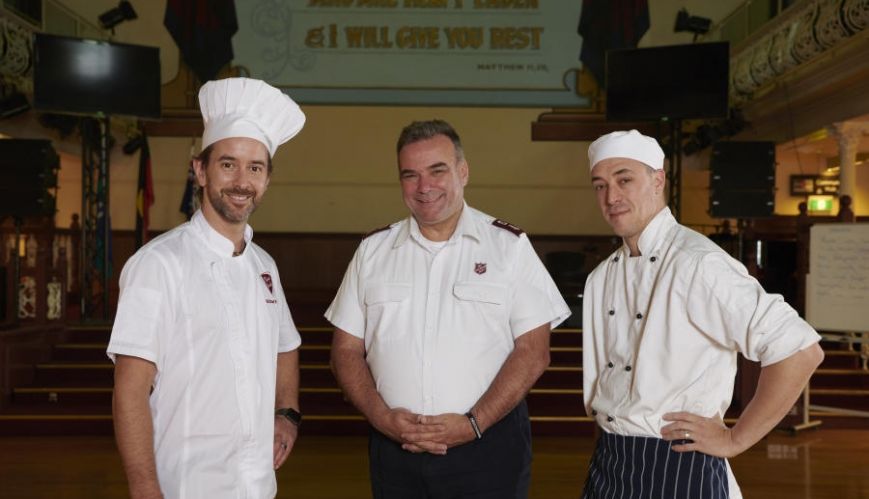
(815, 464)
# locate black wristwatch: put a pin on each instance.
(292, 415)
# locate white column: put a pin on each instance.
(848, 134)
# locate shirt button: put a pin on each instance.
(616, 259)
(653, 259)
(610, 419)
(612, 312)
(639, 316)
(610, 364)
(594, 413)
(627, 368)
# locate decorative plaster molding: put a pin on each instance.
(791, 40)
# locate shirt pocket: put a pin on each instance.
(481, 311)
(387, 309)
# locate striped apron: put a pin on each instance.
(645, 467)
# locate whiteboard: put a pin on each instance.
(837, 287)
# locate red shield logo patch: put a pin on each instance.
(480, 268)
(267, 278)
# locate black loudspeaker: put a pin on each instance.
(28, 169)
(742, 180)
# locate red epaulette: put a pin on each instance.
(375, 231)
(501, 224)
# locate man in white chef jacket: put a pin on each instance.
(663, 319)
(442, 326)
(205, 350)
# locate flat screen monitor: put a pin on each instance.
(671, 82)
(74, 75)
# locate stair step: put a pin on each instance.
(847, 398)
(311, 354)
(555, 402)
(95, 352)
(87, 334)
(560, 376)
(316, 375)
(566, 338)
(316, 335)
(75, 374)
(19, 425)
(840, 378)
(562, 426)
(63, 395)
(841, 359)
(566, 355)
(79, 352)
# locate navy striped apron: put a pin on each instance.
(645, 467)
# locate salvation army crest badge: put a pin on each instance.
(267, 278)
(480, 268)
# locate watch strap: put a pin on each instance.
(291, 414)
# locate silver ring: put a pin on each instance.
(687, 435)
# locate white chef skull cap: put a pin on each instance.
(243, 107)
(626, 144)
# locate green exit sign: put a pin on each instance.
(820, 203)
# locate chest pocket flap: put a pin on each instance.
(384, 293)
(482, 292)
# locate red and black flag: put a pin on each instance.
(144, 194)
(203, 31)
(610, 24)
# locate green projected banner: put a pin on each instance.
(427, 52)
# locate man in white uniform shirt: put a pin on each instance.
(205, 350)
(663, 319)
(442, 326)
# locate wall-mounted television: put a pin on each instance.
(75, 75)
(670, 82)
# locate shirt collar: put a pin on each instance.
(655, 230)
(215, 240)
(464, 227)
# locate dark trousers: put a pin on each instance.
(498, 466)
(640, 467)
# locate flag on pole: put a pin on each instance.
(203, 31)
(188, 200)
(144, 194)
(610, 24)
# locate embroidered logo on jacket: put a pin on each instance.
(268, 280)
(480, 268)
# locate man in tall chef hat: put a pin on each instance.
(663, 319)
(205, 350)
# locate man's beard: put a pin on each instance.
(227, 211)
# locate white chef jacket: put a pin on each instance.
(213, 325)
(440, 320)
(661, 330)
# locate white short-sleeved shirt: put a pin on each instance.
(661, 331)
(213, 325)
(439, 320)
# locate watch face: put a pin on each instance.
(293, 415)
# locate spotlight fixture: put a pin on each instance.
(693, 24)
(123, 12)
